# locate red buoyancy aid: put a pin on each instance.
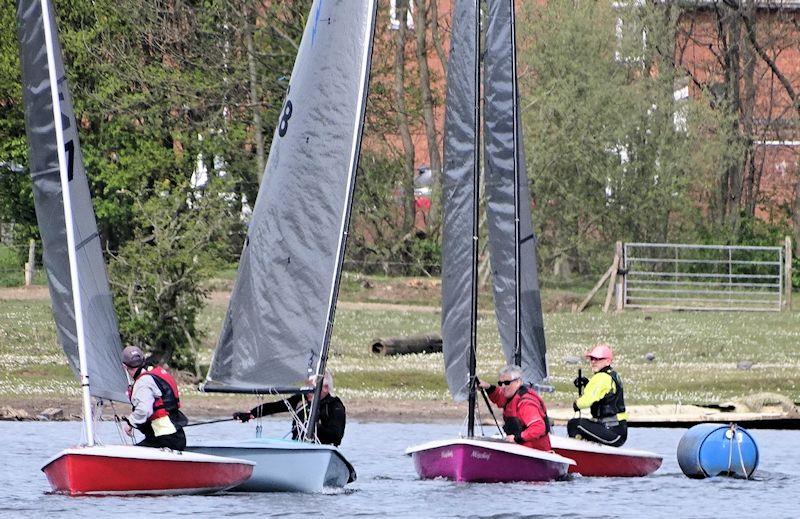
(525, 414)
(170, 399)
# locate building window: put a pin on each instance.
(680, 94)
(393, 15)
(631, 42)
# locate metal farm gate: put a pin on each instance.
(703, 277)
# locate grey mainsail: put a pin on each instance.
(278, 324)
(103, 348)
(505, 202)
(459, 200)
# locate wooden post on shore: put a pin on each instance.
(593, 291)
(30, 266)
(611, 284)
(620, 279)
(610, 273)
(787, 274)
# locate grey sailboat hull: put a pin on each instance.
(285, 465)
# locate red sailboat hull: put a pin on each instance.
(600, 460)
(125, 470)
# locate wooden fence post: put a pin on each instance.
(787, 273)
(30, 266)
(593, 291)
(620, 279)
(612, 283)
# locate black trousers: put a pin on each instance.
(175, 441)
(597, 432)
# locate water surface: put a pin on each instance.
(387, 484)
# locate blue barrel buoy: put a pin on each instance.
(708, 450)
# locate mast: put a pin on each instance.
(473, 346)
(348, 206)
(70, 229)
(515, 115)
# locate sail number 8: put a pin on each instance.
(283, 126)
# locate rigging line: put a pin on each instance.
(118, 425)
(731, 430)
(491, 411)
(98, 408)
(300, 423)
(741, 460)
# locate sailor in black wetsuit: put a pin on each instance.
(330, 421)
(605, 399)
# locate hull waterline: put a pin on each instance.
(128, 470)
(597, 460)
(286, 465)
(486, 461)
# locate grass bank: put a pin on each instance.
(696, 354)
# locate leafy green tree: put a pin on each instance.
(16, 198)
(378, 241)
(157, 277)
(610, 154)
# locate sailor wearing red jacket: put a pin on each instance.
(155, 401)
(524, 414)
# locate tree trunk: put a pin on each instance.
(729, 30)
(751, 186)
(420, 27)
(796, 216)
(437, 39)
(254, 103)
(402, 118)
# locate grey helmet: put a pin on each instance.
(133, 357)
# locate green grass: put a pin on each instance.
(12, 274)
(696, 353)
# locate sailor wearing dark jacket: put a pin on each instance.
(331, 417)
(155, 401)
(605, 399)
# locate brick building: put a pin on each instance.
(771, 117)
(768, 114)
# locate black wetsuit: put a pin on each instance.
(608, 425)
(331, 419)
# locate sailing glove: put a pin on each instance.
(580, 382)
(242, 417)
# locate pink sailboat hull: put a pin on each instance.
(127, 470)
(486, 461)
(593, 459)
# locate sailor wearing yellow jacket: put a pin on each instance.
(605, 399)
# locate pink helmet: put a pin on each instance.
(600, 351)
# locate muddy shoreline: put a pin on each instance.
(204, 407)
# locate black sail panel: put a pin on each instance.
(107, 379)
(458, 206)
(501, 115)
(279, 313)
